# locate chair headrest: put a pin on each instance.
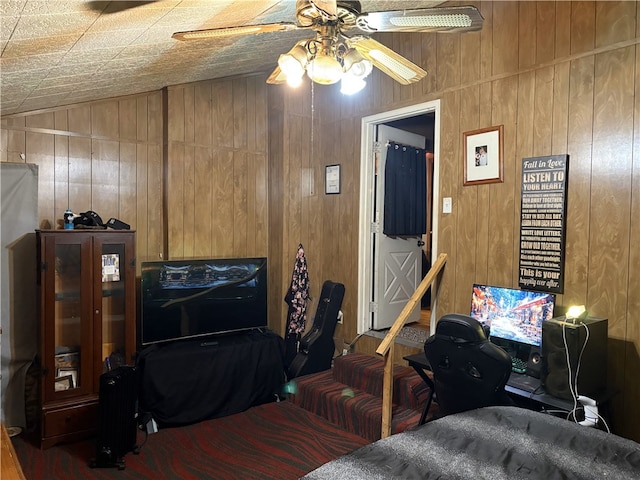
(461, 327)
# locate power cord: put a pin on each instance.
(580, 402)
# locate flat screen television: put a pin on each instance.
(512, 314)
(185, 299)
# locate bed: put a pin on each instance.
(491, 443)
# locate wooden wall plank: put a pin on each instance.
(467, 204)
(580, 118)
(240, 203)
(222, 179)
(156, 247)
(61, 173)
(545, 43)
(203, 203)
(632, 358)
(543, 112)
(105, 166)
(448, 61)
(610, 209)
(562, 29)
(104, 119)
(222, 113)
(189, 204)
(189, 114)
(583, 18)
(428, 55)
(127, 118)
(127, 183)
(560, 106)
(505, 49)
(144, 251)
(202, 114)
(175, 207)
(615, 23)
(527, 33)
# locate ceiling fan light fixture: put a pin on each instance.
(324, 69)
(351, 84)
(433, 21)
(355, 64)
(293, 63)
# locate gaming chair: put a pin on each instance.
(468, 370)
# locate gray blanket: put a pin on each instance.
(491, 443)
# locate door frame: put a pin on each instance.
(365, 237)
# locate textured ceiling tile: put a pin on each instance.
(23, 48)
(50, 45)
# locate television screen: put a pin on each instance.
(512, 314)
(196, 298)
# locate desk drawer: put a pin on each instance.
(70, 419)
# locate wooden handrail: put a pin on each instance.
(386, 346)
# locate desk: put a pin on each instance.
(532, 396)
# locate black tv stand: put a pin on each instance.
(183, 383)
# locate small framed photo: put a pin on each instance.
(332, 179)
(483, 150)
(72, 373)
(64, 382)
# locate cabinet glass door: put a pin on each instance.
(113, 306)
(71, 325)
(115, 301)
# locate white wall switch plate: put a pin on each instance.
(446, 205)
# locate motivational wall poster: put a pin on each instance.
(543, 223)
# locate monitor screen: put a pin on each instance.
(199, 297)
(512, 314)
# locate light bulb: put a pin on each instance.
(324, 69)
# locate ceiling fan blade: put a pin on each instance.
(277, 77)
(391, 63)
(440, 19)
(115, 7)
(328, 7)
(235, 31)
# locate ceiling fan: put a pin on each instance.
(340, 49)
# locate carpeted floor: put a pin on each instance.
(272, 441)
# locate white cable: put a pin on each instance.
(573, 384)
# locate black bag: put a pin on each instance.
(88, 219)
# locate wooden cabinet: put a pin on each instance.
(87, 323)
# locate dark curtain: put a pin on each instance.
(405, 191)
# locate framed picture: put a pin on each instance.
(72, 373)
(332, 179)
(483, 161)
(63, 383)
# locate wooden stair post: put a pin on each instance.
(386, 346)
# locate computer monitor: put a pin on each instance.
(512, 314)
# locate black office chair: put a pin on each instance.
(468, 370)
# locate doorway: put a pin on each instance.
(421, 119)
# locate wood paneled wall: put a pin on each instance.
(243, 166)
(562, 77)
(104, 156)
(217, 176)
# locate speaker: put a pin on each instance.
(570, 349)
(534, 363)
